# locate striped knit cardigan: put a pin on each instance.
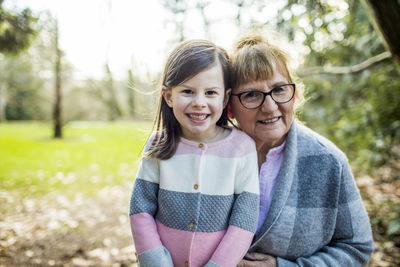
(198, 208)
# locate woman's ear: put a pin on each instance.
(229, 112)
(167, 95)
(226, 100)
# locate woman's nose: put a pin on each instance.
(269, 104)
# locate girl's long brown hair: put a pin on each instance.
(187, 60)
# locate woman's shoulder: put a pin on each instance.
(312, 143)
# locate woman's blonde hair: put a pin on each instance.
(254, 58)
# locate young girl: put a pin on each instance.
(196, 199)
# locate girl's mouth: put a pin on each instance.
(197, 117)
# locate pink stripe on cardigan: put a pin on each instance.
(195, 247)
(226, 248)
(144, 228)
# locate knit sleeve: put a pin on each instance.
(244, 217)
(143, 208)
(352, 242)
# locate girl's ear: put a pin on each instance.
(227, 95)
(167, 95)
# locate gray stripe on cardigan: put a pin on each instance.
(209, 213)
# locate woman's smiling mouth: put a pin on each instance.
(272, 120)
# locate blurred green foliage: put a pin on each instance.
(17, 30)
(26, 100)
(359, 112)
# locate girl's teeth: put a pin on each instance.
(271, 120)
(197, 117)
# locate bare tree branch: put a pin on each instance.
(345, 69)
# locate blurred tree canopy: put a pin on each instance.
(27, 79)
(17, 30)
(357, 108)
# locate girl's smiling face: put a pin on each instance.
(198, 103)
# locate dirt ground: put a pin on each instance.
(58, 231)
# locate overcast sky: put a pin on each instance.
(122, 31)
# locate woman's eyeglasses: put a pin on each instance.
(253, 99)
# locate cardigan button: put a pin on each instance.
(191, 225)
(186, 264)
(201, 145)
(196, 186)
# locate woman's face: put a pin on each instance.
(269, 123)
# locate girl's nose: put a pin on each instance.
(199, 101)
(269, 105)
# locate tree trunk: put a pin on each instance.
(3, 91)
(201, 6)
(385, 16)
(58, 101)
(131, 96)
(3, 96)
(238, 18)
(178, 9)
(115, 110)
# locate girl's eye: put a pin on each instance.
(187, 91)
(211, 92)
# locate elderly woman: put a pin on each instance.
(311, 211)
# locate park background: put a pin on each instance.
(78, 92)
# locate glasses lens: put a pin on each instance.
(252, 99)
(283, 93)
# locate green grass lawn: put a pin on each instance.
(90, 156)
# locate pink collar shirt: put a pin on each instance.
(268, 177)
